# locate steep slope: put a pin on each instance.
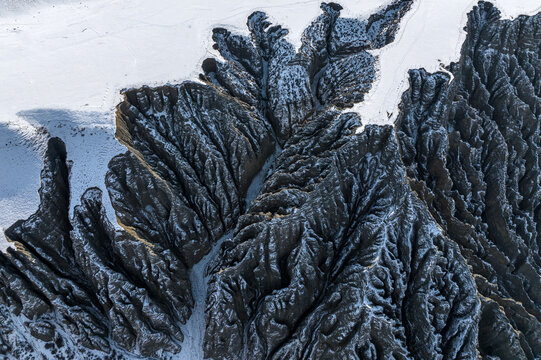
(323, 241)
(471, 148)
(82, 288)
(338, 259)
(87, 280)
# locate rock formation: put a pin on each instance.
(413, 241)
(471, 147)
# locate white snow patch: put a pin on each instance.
(360, 129)
(90, 144)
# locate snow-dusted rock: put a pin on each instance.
(323, 242)
(471, 150)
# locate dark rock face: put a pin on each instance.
(472, 153)
(414, 242)
(286, 86)
(195, 147)
(80, 287)
(338, 259)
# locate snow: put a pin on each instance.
(194, 329)
(63, 63)
(431, 34)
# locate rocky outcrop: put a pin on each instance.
(418, 241)
(471, 149)
(201, 146)
(79, 287)
(338, 259)
(288, 86)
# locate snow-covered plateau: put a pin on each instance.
(63, 64)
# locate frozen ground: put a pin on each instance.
(63, 63)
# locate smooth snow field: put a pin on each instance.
(63, 63)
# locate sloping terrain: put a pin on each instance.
(60, 80)
(83, 288)
(63, 64)
(323, 241)
(471, 150)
